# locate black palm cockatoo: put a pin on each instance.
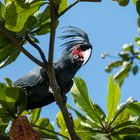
(76, 54)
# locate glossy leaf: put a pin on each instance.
(16, 16)
(10, 98)
(45, 127)
(123, 73)
(124, 55)
(35, 114)
(121, 108)
(113, 65)
(60, 121)
(138, 6)
(135, 69)
(61, 124)
(60, 5)
(3, 112)
(84, 119)
(137, 40)
(128, 47)
(123, 2)
(134, 1)
(43, 18)
(122, 125)
(122, 117)
(113, 98)
(8, 52)
(101, 137)
(28, 26)
(9, 82)
(2, 11)
(135, 108)
(82, 100)
(128, 130)
(4, 122)
(44, 29)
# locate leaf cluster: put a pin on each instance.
(24, 18)
(127, 61)
(120, 122)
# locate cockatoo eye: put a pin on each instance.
(77, 54)
(75, 57)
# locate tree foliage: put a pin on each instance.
(24, 21)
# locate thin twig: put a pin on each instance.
(68, 8)
(90, 0)
(56, 89)
(57, 133)
(18, 44)
(38, 48)
(73, 4)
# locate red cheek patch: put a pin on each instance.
(77, 51)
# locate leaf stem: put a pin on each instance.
(38, 49)
(57, 133)
(18, 44)
(68, 8)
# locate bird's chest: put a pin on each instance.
(64, 76)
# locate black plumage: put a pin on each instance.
(36, 83)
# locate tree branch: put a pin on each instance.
(68, 8)
(38, 49)
(56, 89)
(51, 131)
(18, 44)
(73, 4)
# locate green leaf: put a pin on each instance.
(8, 52)
(42, 122)
(84, 119)
(135, 69)
(128, 47)
(28, 26)
(82, 100)
(43, 18)
(128, 130)
(123, 73)
(122, 125)
(60, 121)
(35, 114)
(131, 137)
(138, 6)
(121, 108)
(123, 2)
(79, 115)
(134, 1)
(124, 55)
(101, 137)
(9, 82)
(113, 98)
(11, 58)
(113, 65)
(21, 102)
(137, 40)
(60, 5)
(16, 16)
(4, 121)
(12, 99)
(2, 11)
(3, 112)
(44, 29)
(135, 108)
(122, 117)
(45, 128)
